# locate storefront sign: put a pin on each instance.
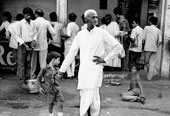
(114, 76)
(6, 59)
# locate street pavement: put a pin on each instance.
(17, 101)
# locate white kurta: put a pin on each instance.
(91, 44)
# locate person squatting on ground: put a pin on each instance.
(49, 85)
(41, 49)
(91, 43)
(71, 31)
(135, 92)
(28, 35)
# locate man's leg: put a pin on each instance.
(21, 57)
(86, 96)
(147, 57)
(33, 63)
(43, 58)
(95, 107)
(132, 59)
(129, 96)
(28, 65)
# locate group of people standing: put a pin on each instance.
(30, 41)
(136, 42)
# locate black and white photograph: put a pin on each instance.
(84, 57)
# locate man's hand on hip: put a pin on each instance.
(98, 60)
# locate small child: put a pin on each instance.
(50, 86)
(135, 93)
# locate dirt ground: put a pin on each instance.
(17, 101)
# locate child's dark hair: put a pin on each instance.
(52, 55)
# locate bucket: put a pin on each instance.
(33, 86)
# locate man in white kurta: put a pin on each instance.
(42, 26)
(28, 35)
(91, 42)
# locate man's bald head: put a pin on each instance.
(89, 13)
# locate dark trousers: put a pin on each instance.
(134, 58)
(24, 63)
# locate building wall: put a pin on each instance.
(79, 6)
(16, 6)
(144, 13)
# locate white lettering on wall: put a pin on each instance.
(9, 56)
(1, 54)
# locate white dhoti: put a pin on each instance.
(89, 98)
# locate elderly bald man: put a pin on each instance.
(91, 42)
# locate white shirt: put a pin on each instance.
(28, 32)
(5, 25)
(13, 29)
(72, 30)
(112, 28)
(42, 26)
(91, 44)
(57, 38)
(152, 36)
(137, 31)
